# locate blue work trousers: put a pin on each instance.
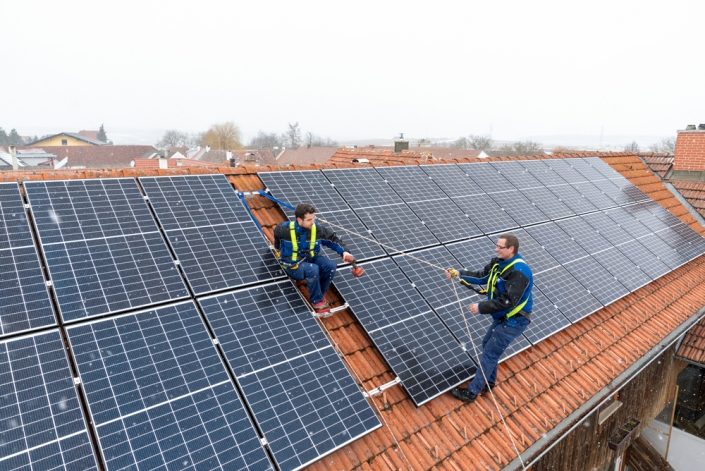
(497, 339)
(318, 273)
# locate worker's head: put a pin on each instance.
(507, 246)
(304, 213)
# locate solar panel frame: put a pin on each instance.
(559, 244)
(445, 220)
(548, 203)
(397, 227)
(612, 191)
(543, 172)
(14, 226)
(301, 394)
(546, 318)
(362, 187)
(565, 169)
(411, 183)
(603, 167)
(628, 222)
(452, 180)
(348, 225)
(651, 255)
(41, 419)
(584, 234)
(590, 273)
(585, 167)
(681, 241)
(567, 293)
(519, 208)
(571, 197)
(159, 394)
(516, 174)
(596, 197)
(622, 268)
(487, 177)
(304, 186)
(486, 214)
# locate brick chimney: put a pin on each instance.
(690, 149)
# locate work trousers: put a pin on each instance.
(497, 339)
(318, 273)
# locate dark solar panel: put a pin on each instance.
(642, 213)
(533, 253)
(633, 193)
(664, 215)
(160, 396)
(584, 234)
(652, 255)
(362, 187)
(303, 398)
(517, 175)
(603, 167)
(563, 290)
(487, 177)
(623, 269)
(559, 244)
(486, 214)
(546, 318)
(548, 203)
(543, 172)
(418, 347)
(397, 227)
(607, 228)
(103, 249)
(473, 254)
(521, 210)
(307, 186)
(348, 227)
(612, 191)
(628, 222)
(593, 276)
(571, 197)
(686, 242)
(411, 183)
(24, 299)
(41, 419)
(595, 195)
(587, 170)
(453, 181)
(565, 169)
(213, 236)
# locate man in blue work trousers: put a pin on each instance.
(299, 243)
(509, 282)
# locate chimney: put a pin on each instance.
(400, 144)
(690, 149)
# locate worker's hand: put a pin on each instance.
(347, 257)
(474, 308)
(451, 273)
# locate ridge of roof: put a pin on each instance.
(75, 135)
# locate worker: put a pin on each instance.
(298, 244)
(509, 283)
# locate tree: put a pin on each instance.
(527, 147)
(264, 140)
(631, 147)
(292, 136)
(223, 136)
(175, 138)
(101, 134)
(4, 140)
(14, 139)
(312, 140)
(473, 141)
(666, 145)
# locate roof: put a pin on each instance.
(306, 155)
(660, 164)
(379, 156)
(413, 154)
(538, 388)
(692, 348)
(172, 163)
(75, 135)
(241, 157)
(97, 156)
(89, 134)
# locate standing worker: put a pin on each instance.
(509, 282)
(299, 243)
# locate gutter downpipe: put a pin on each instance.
(583, 412)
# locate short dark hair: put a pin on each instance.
(512, 241)
(302, 209)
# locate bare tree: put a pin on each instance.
(632, 147)
(265, 140)
(175, 138)
(475, 141)
(312, 140)
(666, 145)
(292, 136)
(527, 147)
(223, 136)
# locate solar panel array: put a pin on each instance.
(24, 299)
(590, 236)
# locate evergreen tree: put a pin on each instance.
(15, 139)
(101, 134)
(4, 140)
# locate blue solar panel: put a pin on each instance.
(559, 244)
(486, 213)
(604, 287)
(160, 396)
(41, 419)
(24, 299)
(453, 181)
(397, 227)
(487, 177)
(411, 183)
(521, 210)
(542, 171)
(213, 236)
(596, 196)
(571, 197)
(418, 347)
(548, 203)
(307, 186)
(103, 249)
(563, 290)
(546, 318)
(565, 169)
(348, 227)
(519, 176)
(362, 187)
(303, 398)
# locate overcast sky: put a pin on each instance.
(352, 70)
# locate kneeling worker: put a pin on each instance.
(299, 243)
(509, 282)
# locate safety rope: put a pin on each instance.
(467, 327)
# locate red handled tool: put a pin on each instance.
(357, 271)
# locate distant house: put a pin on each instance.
(306, 155)
(26, 158)
(97, 156)
(68, 139)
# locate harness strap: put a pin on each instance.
(492, 282)
(295, 242)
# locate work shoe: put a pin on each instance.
(487, 387)
(321, 307)
(463, 394)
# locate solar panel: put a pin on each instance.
(533, 253)
(584, 234)
(41, 419)
(303, 186)
(103, 249)
(302, 396)
(411, 183)
(521, 210)
(612, 191)
(664, 215)
(473, 254)
(453, 181)
(204, 220)
(557, 242)
(604, 287)
(486, 213)
(159, 395)
(594, 195)
(487, 177)
(546, 318)
(414, 342)
(565, 169)
(346, 224)
(684, 240)
(628, 222)
(563, 290)
(543, 172)
(24, 299)
(397, 227)
(587, 170)
(518, 176)
(571, 197)
(642, 213)
(652, 255)
(623, 269)
(633, 193)
(362, 187)
(603, 167)
(548, 203)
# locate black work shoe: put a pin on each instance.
(463, 394)
(487, 387)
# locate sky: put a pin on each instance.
(354, 70)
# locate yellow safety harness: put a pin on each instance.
(295, 242)
(492, 282)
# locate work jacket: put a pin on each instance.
(511, 290)
(283, 242)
